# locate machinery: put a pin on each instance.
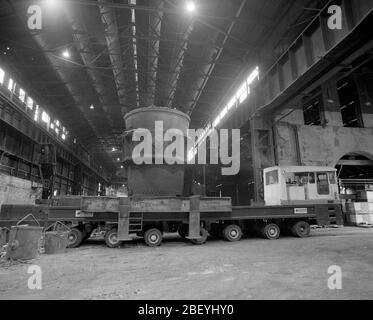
(298, 185)
(193, 218)
(296, 197)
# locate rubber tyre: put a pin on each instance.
(75, 238)
(232, 233)
(111, 239)
(203, 239)
(183, 230)
(153, 237)
(301, 229)
(271, 231)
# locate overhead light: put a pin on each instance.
(118, 159)
(92, 107)
(121, 167)
(66, 54)
(113, 149)
(190, 6)
(51, 3)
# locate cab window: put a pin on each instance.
(322, 183)
(332, 179)
(312, 178)
(298, 178)
(272, 177)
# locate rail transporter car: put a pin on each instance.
(297, 197)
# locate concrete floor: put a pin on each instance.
(288, 268)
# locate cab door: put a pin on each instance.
(322, 185)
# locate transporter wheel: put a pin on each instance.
(271, 231)
(183, 230)
(153, 237)
(203, 239)
(301, 229)
(111, 238)
(232, 233)
(75, 238)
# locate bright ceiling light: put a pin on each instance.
(51, 3)
(190, 6)
(92, 107)
(118, 159)
(66, 54)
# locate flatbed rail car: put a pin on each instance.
(193, 218)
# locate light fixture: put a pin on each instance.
(92, 107)
(190, 6)
(118, 159)
(66, 54)
(121, 167)
(51, 4)
(113, 149)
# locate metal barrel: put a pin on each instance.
(24, 240)
(56, 241)
(154, 179)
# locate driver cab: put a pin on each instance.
(296, 185)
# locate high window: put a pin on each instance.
(350, 103)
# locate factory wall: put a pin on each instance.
(325, 144)
(22, 159)
(313, 145)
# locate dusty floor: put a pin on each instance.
(288, 268)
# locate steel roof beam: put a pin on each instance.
(155, 25)
(210, 68)
(112, 41)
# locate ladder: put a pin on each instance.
(135, 222)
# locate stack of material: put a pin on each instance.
(359, 213)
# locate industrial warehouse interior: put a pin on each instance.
(186, 150)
